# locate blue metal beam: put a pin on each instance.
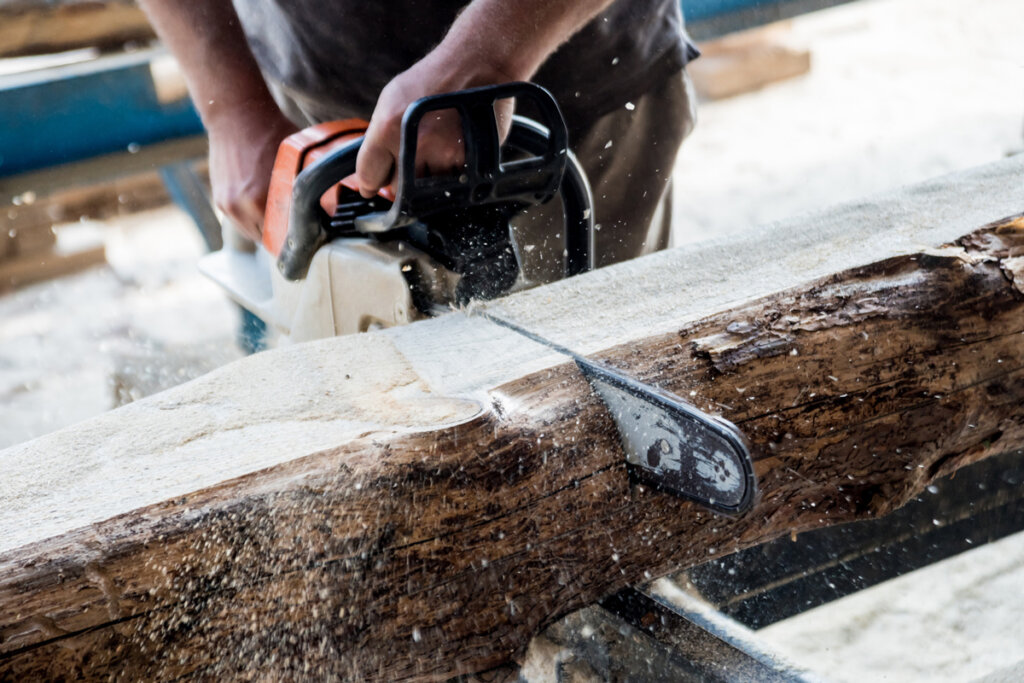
(706, 19)
(82, 110)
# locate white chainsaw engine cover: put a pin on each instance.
(353, 285)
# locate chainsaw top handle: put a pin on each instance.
(485, 179)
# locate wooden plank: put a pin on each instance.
(416, 503)
(108, 186)
(67, 256)
(37, 27)
(747, 61)
(31, 242)
(20, 239)
(99, 170)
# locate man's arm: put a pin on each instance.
(244, 123)
(492, 41)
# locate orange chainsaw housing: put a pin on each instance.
(296, 152)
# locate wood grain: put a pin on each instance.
(423, 555)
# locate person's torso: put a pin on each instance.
(334, 58)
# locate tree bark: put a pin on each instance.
(482, 493)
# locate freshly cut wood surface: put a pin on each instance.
(38, 26)
(419, 502)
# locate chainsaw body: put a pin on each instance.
(332, 262)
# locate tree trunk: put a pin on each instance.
(419, 502)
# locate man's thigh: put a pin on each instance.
(628, 156)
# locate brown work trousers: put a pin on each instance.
(628, 156)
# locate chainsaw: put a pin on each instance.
(332, 262)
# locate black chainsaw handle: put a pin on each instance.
(306, 219)
(484, 179)
(550, 169)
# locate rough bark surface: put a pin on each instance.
(429, 554)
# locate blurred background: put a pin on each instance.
(803, 104)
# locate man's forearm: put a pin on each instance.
(244, 122)
(514, 38)
(207, 40)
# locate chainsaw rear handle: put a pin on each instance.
(550, 169)
(484, 178)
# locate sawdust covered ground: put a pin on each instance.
(900, 91)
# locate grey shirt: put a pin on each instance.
(333, 58)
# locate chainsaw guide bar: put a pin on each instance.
(669, 444)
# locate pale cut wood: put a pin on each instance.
(37, 27)
(747, 61)
(419, 502)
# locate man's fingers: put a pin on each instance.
(245, 214)
(252, 218)
(440, 149)
(374, 166)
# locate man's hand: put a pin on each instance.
(440, 149)
(243, 146)
(492, 41)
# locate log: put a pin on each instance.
(416, 503)
(29, 27)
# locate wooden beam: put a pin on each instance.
(109, 185)
(75, 249)
(744, 62)
(30, 27)
(418, 502)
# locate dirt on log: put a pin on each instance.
(428, 554)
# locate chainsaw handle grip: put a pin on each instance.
(574, 191)
(306, 219)
(485, 179)
(552, 169)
